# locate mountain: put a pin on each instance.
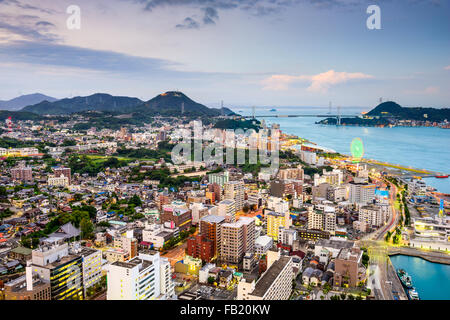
(97, 102)
(23, 101)
(165, 104)
(391, 109)
(171, 103)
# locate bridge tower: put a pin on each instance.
(338, 116)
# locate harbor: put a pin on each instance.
(429, 279)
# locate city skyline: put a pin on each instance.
(285, 53)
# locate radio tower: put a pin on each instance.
(221, 108)
(8, 123)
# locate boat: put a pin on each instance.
(442, 177)
(405, 278)
(273, 110)
(413, 294)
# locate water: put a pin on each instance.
(431, 280)
(419, 147)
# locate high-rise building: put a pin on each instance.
(200, 247)
(227, 210)
(62, 267)
(62, 171)
(237, 238)
(323, 220)
(275, 220)
(22, 174)
(210, 228)
(372, 215)
(274, 284)
(361, 193)
(145, 277)
(234, 190)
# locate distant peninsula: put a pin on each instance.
(390, 113)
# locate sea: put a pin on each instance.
(418, 147)
(431, 280)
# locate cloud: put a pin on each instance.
(429, 91)
(318, 83)
(210, 16)
(210, 8)
(447, 68)
(188, 23)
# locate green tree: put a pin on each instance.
(87, 228)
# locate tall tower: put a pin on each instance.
(329, 108)
(339, 116)
(221, 108)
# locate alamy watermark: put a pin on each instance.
(206, 146)
(73, 22)
(374, 20)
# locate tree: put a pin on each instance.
(211, 280)
(135, 200)
(343, 296)
(87, 228)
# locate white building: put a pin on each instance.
(146, 277)
(361, 193)
(227, 209)
(263, 244)
(372, 215)
(274, 284)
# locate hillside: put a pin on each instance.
(166, 104)
(98, 102)
(23, 101)
(18, 115)
(391, 109)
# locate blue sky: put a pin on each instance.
(245, 52)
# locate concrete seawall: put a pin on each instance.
(431, 256)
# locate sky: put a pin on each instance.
(244, 52)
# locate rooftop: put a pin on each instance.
(267, 279)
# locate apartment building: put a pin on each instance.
(24, 174)
(234, 190)
(372, 215)
(145, 277)
(276, 220)
(361, 193)
(237, 238)
(274, 284)
(227, 209)
(210, 228)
